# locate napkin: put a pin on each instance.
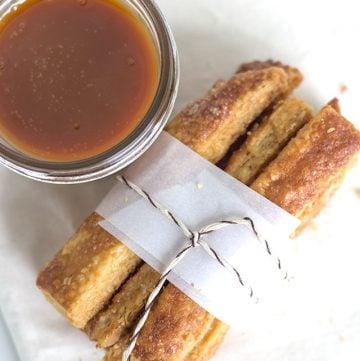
(320, 318)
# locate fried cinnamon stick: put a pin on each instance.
(210, 125)
(266, 141)
(311, 167)
(85, 273)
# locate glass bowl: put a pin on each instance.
(128, 150)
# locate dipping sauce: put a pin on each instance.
(76, 77)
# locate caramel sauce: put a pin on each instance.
(76, 77)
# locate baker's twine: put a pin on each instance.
(195, 240)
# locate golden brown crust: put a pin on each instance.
(309, 168)
(178, 329)
(210, 125)
(173, 328)
(109, 325)
(217, 86)
(204, 348)
(265, 142)
(334, 103)
(208, 345)
(295, 77)
(114, 353)
(84, 274)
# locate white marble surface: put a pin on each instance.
(321, 38)
(7, 349)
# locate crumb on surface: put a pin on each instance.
(341, 338)
(126, 199)
(357, 192)
(343, 88)
(330, 130)
(199, 185)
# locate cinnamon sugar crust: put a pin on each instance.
(294, 75)
(85, 273)
(206, 348)
(310, 168)
(265, 142)
(334, 103)
(173, 328)
(114, 322)
(210, 125)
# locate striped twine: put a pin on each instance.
(195, 240)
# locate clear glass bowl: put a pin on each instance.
(137, 142)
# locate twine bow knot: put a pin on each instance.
(196, 240)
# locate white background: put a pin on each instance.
(322, 39)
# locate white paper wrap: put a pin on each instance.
(199, 193)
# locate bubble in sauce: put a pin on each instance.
(131, 61)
